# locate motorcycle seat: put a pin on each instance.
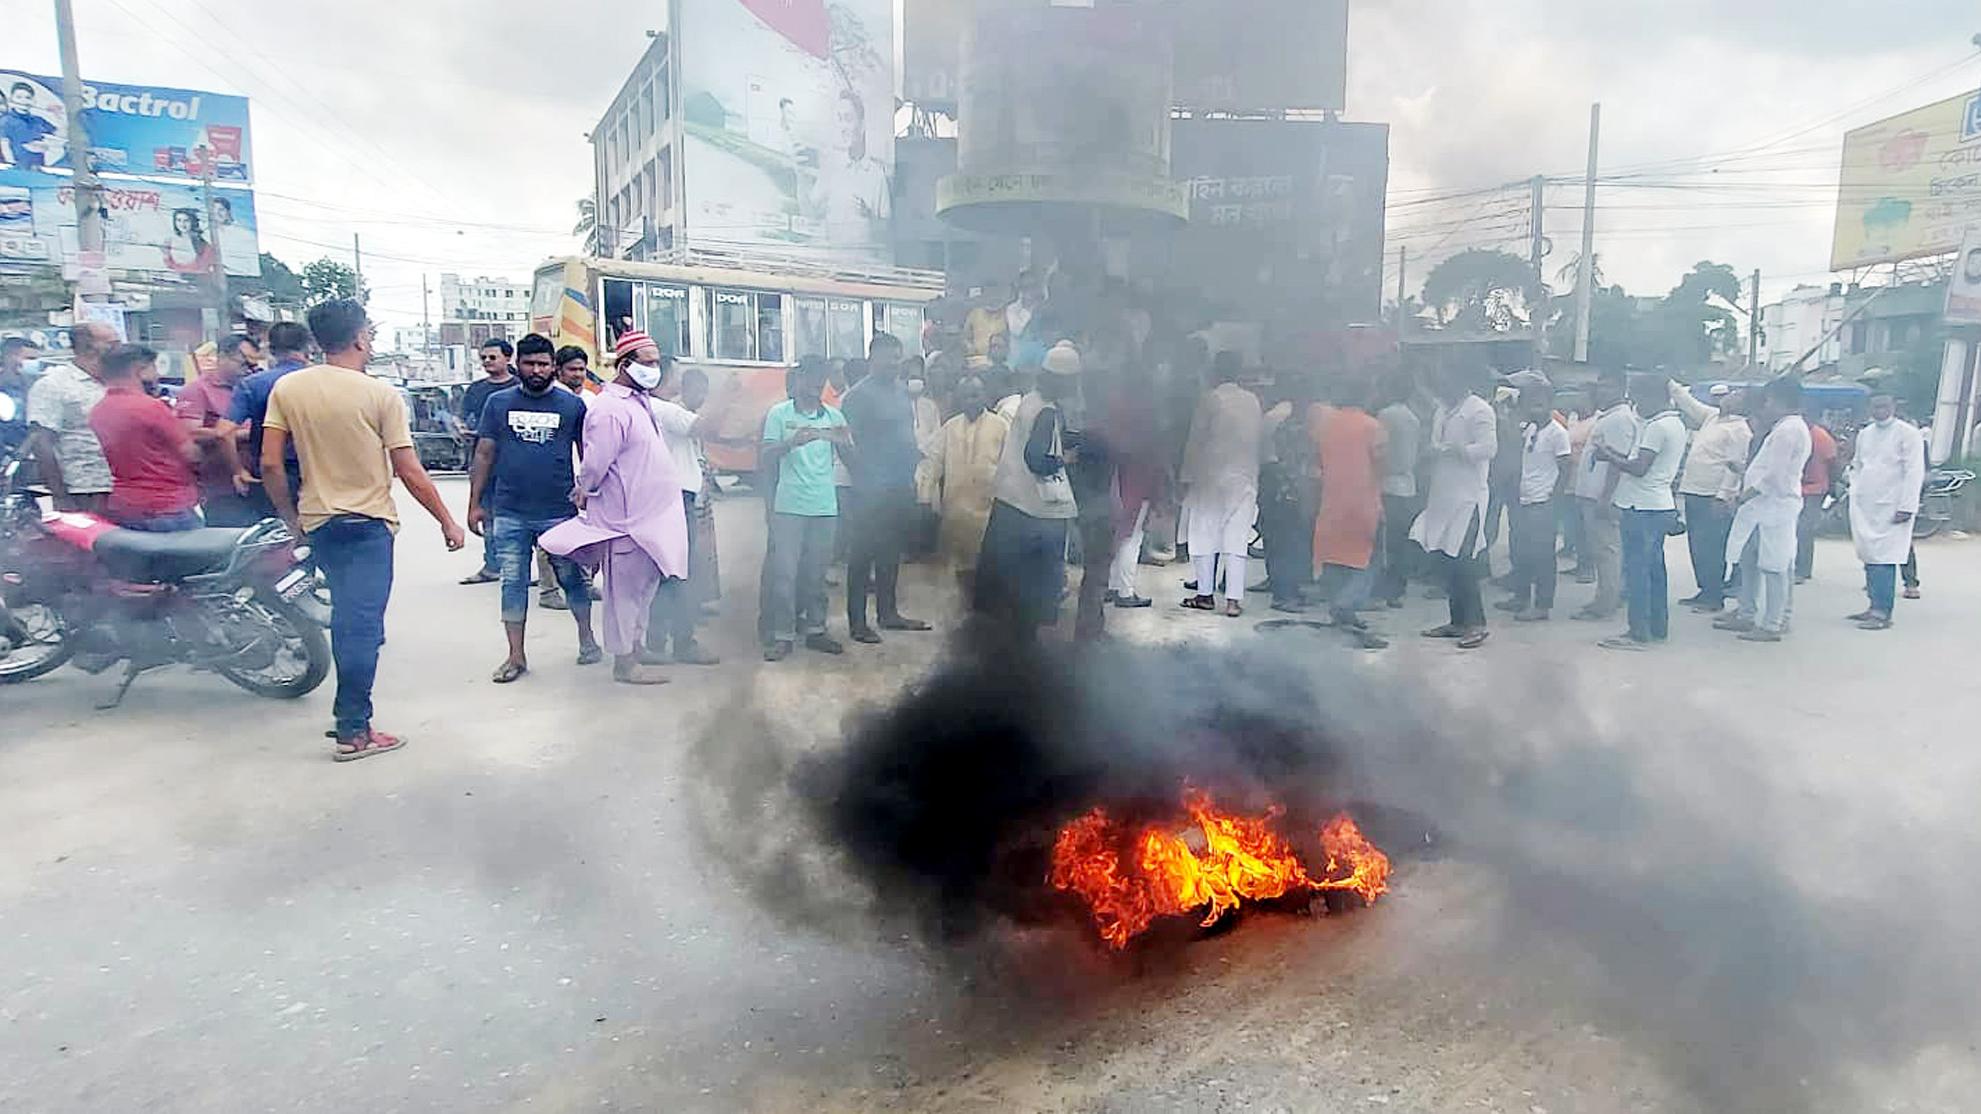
(137, 555)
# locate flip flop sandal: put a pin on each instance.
(1233, 611)
(508, 673)
(1472, 641)
(481, 577)
(591, 656)
(1200, 603)
(376, 742)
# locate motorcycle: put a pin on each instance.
(75, 587)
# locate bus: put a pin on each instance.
(743, 326)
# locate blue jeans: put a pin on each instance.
(1881, 584)
(515, 541)
(1644, 588)
(355, 554)
(164, 523)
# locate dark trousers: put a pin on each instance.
(1287, 521)
(1568, 518)
(1805, 536)
(355, 554)
(1532, 547)
(878, 527)
(162, 523)
(1402, 558)
(1881, 585)
(1096, 558)
(1707, 524)
(1645, 591)
(676, 606)
(491, 556)
(1910, 570)
(230, 508)
(1461, 577)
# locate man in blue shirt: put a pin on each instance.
(22, 132)
(288, 350)
(802, 438)
(522, 476)
(881, 510)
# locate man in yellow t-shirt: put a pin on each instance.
(986, 320)
(351, 439)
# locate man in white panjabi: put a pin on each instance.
(1886, 473)
(1463, 441)
(1220, 479)
(1762, 542)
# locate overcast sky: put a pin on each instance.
(450, 133)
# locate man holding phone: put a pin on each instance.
(802, 439)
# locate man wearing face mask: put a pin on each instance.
(15, 358)
(522, 476)
(630, 523)
(1887, 471)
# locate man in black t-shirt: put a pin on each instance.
(522, 477)
(495, 356)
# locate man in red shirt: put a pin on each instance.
(1817, 476)
(203, 405)
(150, 453)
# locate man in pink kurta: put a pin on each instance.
(630, 521)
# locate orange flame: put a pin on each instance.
(1241, 859)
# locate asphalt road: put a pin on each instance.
(549, 900)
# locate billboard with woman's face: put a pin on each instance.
(787, 110)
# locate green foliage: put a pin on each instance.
(1682, 332)
(327, 280)
(1482, 290)
(276, 282)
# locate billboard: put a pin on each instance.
(1286, 217)
(158, 227)
(1911, 185)
(787, 115)
(150, 130)
(932, 51)
(1260, 55)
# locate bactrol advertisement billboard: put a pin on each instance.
(1286, 216)
(1259, 55)
(158, 227)
(150, 130)
(1911, 185)
(787, 110)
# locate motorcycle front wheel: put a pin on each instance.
(301, 657)
(34, 640)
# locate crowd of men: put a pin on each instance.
(1052, 427)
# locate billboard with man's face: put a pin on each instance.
(149, 130)
(787, 110)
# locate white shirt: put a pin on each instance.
(1016, 316)
(1775, 478)
(1543, 448)
(1456, 503)
(1887, 471)
(1616, 428)
(1664, 435)
(675, 421)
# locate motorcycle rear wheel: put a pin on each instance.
(51, 634)
(304, 638)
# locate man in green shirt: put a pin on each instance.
(802, 439)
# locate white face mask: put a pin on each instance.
(646, 375)
(916, 386)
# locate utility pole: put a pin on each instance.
(215, 278)
(426, 323)
(1402, 265)
(1536, 252)
(1585, 276)
(357, 260)
(93, 276)
(1754, 320)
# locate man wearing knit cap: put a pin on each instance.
(1023, 565)
(630, 521)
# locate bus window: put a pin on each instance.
(770, 327)
(545, 298)
(811, 327)
(904, 322)
(667, 318)
(847, 329)
(618, 316)
(733, 325)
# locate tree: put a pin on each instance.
(1571, 272)
(1481, 289)
(326, 280)
(1694, 325)
(276, 282)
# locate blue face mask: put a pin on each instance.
(30, 367)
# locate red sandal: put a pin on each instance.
(373, 742)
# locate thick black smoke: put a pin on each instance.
(1756, 991)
